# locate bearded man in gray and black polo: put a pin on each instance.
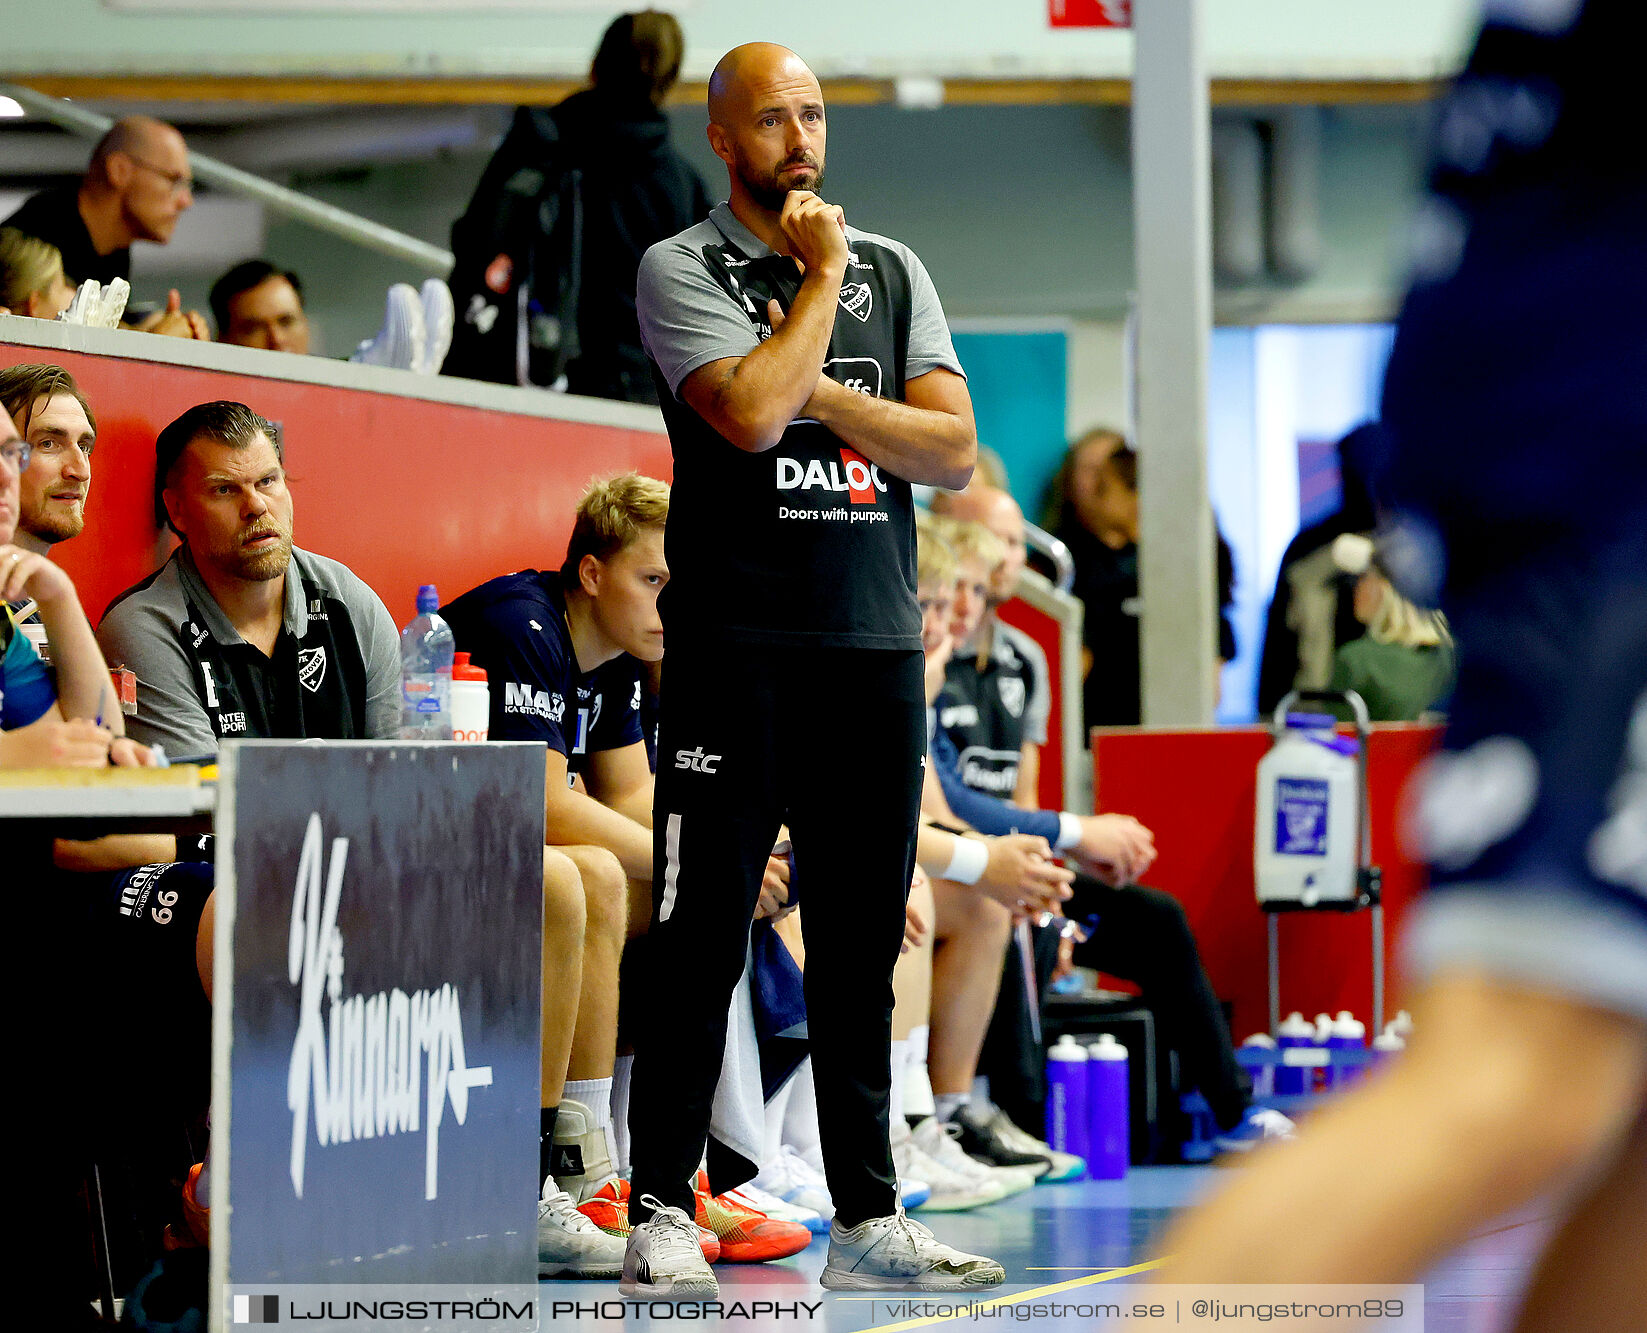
(240, 634)
(807, 378)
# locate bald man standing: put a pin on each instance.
(135, 188)
(807, 378)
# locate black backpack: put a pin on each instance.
(518, 252)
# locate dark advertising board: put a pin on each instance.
(376, 1054)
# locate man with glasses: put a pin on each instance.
(135, 188)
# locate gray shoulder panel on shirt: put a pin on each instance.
(374, 629)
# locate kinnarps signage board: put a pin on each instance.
(377, 1049)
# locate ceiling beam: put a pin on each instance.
(509, 92)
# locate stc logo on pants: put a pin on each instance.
(854, 474)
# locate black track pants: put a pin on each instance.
(830, 741)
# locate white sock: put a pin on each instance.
(620, 1111)
(900, 1063)
(596, 1094)
(945, 1104)
(917, 1086)
(800, 1122)
(980, 1091)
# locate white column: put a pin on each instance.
(1172, 229)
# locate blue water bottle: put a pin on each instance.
(1067, 1115)
(1263, 1076)
(1109, 1140)
(426, 672)
(1348, 1034)
(1296, 1034)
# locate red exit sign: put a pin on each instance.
(1090, 13)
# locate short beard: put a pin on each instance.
(50, 529)
(261, 566)
(770, 195)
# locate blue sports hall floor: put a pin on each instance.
(1060, 1244)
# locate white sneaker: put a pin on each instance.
(580, 1156)
(1259, 1125)
(753, 1196)
(951, 1192)
(439, 314)
(664, 1257)
(937, 1141)
(402, 340)
(1065, 1165)
(894, 1253)
(794, 1180)
(570, 1245)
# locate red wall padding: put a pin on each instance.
(1197, 790)
(402, 490)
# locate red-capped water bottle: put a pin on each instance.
(471, 700)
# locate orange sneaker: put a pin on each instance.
(608, 1209)
(747, 1236)
(197, 1220)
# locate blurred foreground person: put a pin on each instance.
(1516, 471)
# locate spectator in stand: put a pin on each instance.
(1311, 615)
(135, 189)
(53, 416)
(1097, 492)
(604, 152)
(256, 304)
(31, 276)
(1404, 664)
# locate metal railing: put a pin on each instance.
(1044, 543)
(338, 221)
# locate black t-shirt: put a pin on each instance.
(515, 627)
(1106, 581)
(54, 216)
(983, 714)
(806, 542)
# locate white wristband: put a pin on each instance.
(967, 862)
(1069, 831)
